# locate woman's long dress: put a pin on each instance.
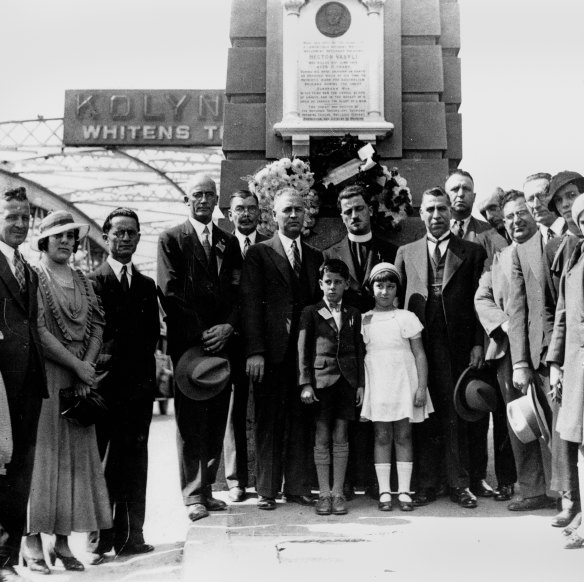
(68, 491)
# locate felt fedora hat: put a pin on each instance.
(559, 181)
(473, 397)
(527, 418)
(201, 376)
(56, 222)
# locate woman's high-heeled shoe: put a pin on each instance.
(69, 562)
(37, 565)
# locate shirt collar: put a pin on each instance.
(327, 303)
(200, 227)
(287, 242)
(241, 237)
(443, 238)
(360, 238)
(117, 267)
(465, 222)
(7, 251)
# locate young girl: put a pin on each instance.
(396, 375)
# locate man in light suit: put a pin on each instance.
(491, 302)
(440, 273)
(199, 268)
(530, 325)
(23, 372)
(244, 213)
(360, 250)
(280, 277)
(131, 333)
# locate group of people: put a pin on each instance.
(60, 333)
(342, 378)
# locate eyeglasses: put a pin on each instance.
(521, 214)
(244, 209)
(123, 232)
(201, 195)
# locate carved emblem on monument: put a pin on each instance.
(333, 19)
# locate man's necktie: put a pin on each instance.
(437, 254)
(296, 264)
(19, 270)
(459, 228)
(124, 279)
(246, 245)
(335, 307)
(550, 234)
(207, 244)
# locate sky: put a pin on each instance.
(522, 69)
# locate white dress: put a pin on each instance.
(391, 378)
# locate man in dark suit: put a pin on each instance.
(440, 273)
(23, 372)
(280, 277)
(199, 268)
(131, 333)
(491, 303)
(244, 213)
(361, 250)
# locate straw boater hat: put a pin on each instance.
(473, 397)
(527, 418)
(200, 376)
(57, 222)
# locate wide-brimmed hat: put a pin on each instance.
(560, 180)
(200, 376)
(473, 397)
(527, 418)
(57, 222)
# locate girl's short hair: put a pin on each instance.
(385, 277)
(43, 243)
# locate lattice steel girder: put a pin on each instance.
(44, 198)
(31, 133)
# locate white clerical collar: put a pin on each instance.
(200, 227)
(117, 267)
(360, 238)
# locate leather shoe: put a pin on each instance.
(197, 511)
(574, 542)
(130, 549)
(301, 499)
(463, 497)
(564, 518)
(213, 504)
(94, 558)
(405, 502)
(384, 505)
(9, 574)
(574, 525)
(324, 505)
(530, 503)
(424, 497)
(504, 492)
(339, 505)
(482, 489)
(236, 494)
(37, 565)
(266, 502)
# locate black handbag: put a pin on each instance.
(85, 411)
(82, 411)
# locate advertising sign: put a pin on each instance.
(141, 118)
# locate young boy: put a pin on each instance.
(332, 376)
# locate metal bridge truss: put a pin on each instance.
(96, 180)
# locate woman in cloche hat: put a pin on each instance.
(68, 491)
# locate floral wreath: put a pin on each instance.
(337, 163)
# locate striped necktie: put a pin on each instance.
(296, 263)
(19, 270)
(207, 244)
(246, 245)
(459, 228)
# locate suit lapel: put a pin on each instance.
(219, 246)
(420, 259)
(324, 312)
(534, 254)
(10, 280)
(280, 259)
(454, 258)
(192, 245)
(344, 253)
